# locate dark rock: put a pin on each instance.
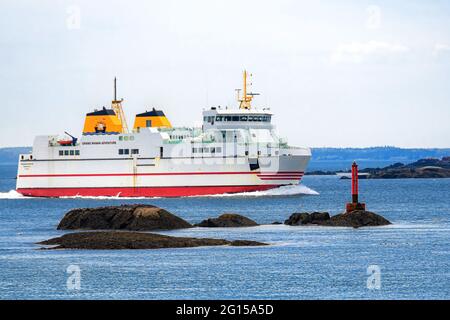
(276, 222)
(319, 216)
(134, 240)
(356, 219)
(304, 218)
(125, 217)
(247, 243)
(227, 220)
(297, 219)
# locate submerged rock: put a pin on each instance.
(355, 219)
(126, 217)
(228, 220)
(135, 240)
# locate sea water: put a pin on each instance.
(407, 260)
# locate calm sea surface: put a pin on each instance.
(413, 255)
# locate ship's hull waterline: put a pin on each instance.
(148, 192)
(49, 179)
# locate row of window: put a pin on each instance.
(211, 119)
(178, 137)
(126, 138)
(207, 150)
(127, 151)
(69, 152)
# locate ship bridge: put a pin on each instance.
(217, 118)
(244, 125)
(245, 117)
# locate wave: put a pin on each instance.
(291, 190)
(107, 197)
(12, 194)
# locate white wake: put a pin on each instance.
(118, 197)
(12, 194)
(290, 190)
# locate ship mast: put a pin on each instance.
(117, 107)
(245, 101)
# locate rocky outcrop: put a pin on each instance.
(424, 168)
(227, 220)
(134, 240)
(355, 219)
(126, 217)
(304, 218)
(405, 173)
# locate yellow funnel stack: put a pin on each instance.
(151, 119)
(102, 121)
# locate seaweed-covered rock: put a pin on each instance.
(227, 220)
(126, 217)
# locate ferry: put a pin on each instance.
(235, 150)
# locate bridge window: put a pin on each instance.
(66, 152)
(219, 118)
(61, 152)
(243, 118)
(124, 151)
(134, 151)
(77, 152)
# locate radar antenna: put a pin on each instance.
(245, 101)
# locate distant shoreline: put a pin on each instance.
(423, 168)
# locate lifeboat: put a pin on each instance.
(65, 142)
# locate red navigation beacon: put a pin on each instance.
(355, 205)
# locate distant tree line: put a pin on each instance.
(378, 153)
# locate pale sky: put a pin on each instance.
(335, 73)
